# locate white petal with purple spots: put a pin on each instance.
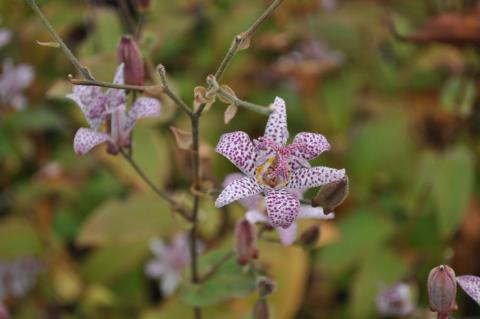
(276, 128)
(86, 139)
(471, 285)
(311, 145)
(238, 189)
(315, 176)
(239, 149)
(282, 208)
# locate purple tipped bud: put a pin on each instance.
(129, 54)
(442, 289)
(144, 5)
(261, 311)
(265, 286)
(245, 241)
(309, 237)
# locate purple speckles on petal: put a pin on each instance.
(310, 145)
(276, 128)
(238, 189)
(314, 177)
(239, 149)
(282, 208)
(471, 285)
(85, 139)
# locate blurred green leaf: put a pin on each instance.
(140, 217)
(110, 263)
(381, 267)
(229, 281)
(362, 234)
(20, 238)
(452, 188)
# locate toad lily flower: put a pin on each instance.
(13, 80)
(255, 206)
(107, 116)
(274, 169)
(169, 261)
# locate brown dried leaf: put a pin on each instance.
(230, 113)
(183, 138)
(455, 29)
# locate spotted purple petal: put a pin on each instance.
(276, 128)
(287, 235)
(85, 139)
(251, 202)
(310, 145)
(239, 149)
(315, 176)
(471, 285)
(238, 189)
(282, 207)
(116, 97)
(145, 107)
(89, 99)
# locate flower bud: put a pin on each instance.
(144, 5)
(245, 241)
(261, 311)
(442, 289)
(265, 286)
(129, 54)
(4, 314)
(309, 237)
(332, 195)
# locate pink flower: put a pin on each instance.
(5, 37)
(273, 169)
(107, 116)
(395, 301)
(13, 80)
(169, 261)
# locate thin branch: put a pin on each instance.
(80, 68)
(167, 197)
(217, 266)
(138, 88)
(236, 101)
(196, 204)
(239, 39)
(166, 89)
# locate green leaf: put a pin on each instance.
(229, 281)
(110, 263)
(19, 238)
(140, 217)
(380, 268)
(362, 234)
(35, 119)
(450, 93)
(452, 188)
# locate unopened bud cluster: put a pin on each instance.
(245, 241)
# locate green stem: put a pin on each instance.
(167, 197)
(82, 69)
(236, 101)
(166, 89)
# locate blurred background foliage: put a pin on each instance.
(395, 94)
